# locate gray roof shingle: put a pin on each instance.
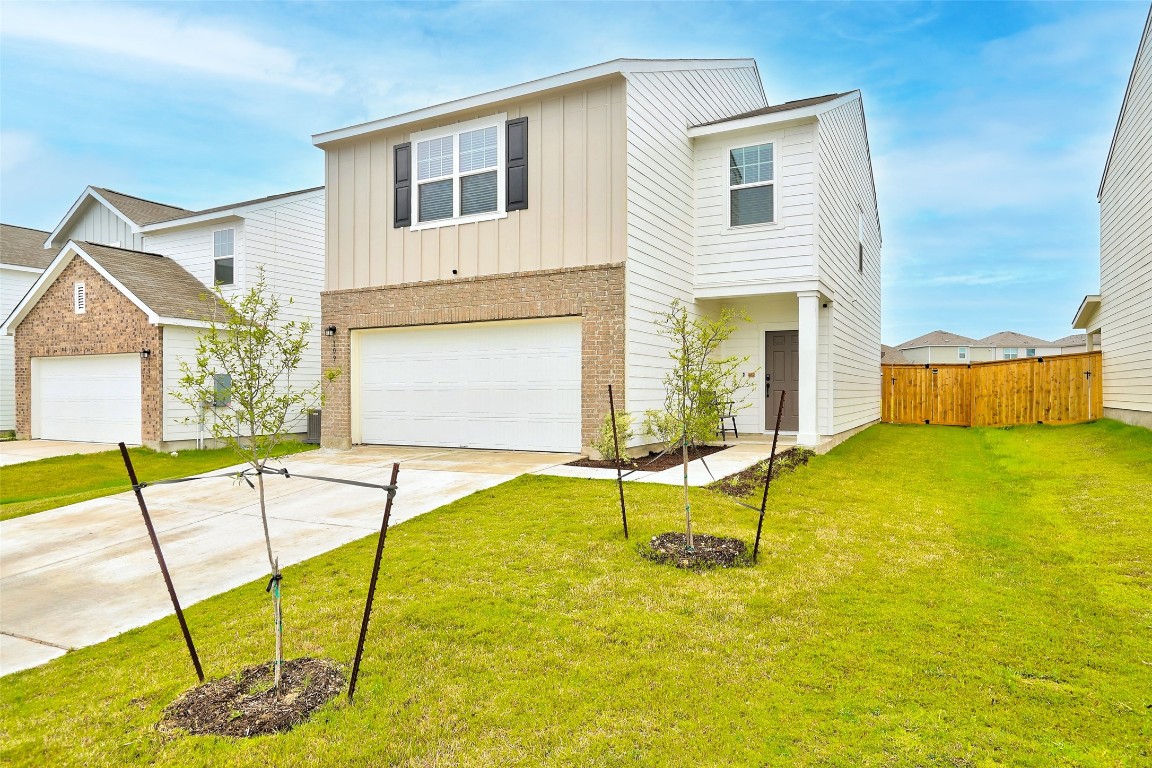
(788, 105)
(1071, 340)
(24, 247)
(139, 210)
(891, 356)
(164, 286)
(939, 339)
(1013, 339)
(186, 214)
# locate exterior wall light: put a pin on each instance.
(330, 330)
(145, 354)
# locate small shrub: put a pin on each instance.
(612, 449)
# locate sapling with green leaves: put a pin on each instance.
(699, 388)
(243, 385)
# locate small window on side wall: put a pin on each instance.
(1011, 353)
(1030, 352)
(751, 185)
(222, 390)
(962, 353)
(224, 256)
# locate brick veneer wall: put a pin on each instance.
(596, 294)
(112, 324)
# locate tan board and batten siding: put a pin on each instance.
(661, 188)
(1125, 313)
(578, 170)
(845, 191)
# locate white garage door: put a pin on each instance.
(512, 385)
(94, 398)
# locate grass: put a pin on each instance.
(35, 486)
(925, 596)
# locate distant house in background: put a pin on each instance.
(944, 347)
(1073, 343)
(116, 294)
(940, 347)
(1009, 345)
(891, 356)
(1122, 312)
(22, 260)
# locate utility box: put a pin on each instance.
(313, 437)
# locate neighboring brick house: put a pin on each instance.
(100, 335)
(494, 263)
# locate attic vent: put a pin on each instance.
(79, 298)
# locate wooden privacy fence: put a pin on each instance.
(1062, 389)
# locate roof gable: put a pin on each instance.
(134, 211)
(24, 247)
(160, 287)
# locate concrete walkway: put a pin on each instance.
(77, 575)
(723, 463)
(20, 451)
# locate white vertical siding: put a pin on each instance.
(844, 189)
(1125, 315)
(14, 283)
(98, 224)
(757, 254)
(661, 221)
(287, 240)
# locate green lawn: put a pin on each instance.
(35, 486)
(925, 596)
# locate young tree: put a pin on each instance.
(699, 387)
(240, 385)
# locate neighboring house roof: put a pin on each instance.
(1013, 339)
(939, 339)
(232, 206)
(1072, 340)
(24, 247)
(159, 286)
(614, 67)
(139, 210)
(1145, 40)
(891, 356)
(786, 106)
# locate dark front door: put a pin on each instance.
(781, 374)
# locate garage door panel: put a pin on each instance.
(92, 398)
(512, 385)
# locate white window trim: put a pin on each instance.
(235, 261)
(1015, 353)
(454, 130)
(79, 298)
(1030, 352)
(961, 353)
(725, 170)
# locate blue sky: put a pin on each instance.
(989, 122)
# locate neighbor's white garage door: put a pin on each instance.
(512, 385)
(94, 398)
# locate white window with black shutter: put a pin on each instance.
(456, 174)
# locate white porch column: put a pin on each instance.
(809, 394)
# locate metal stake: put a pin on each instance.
(372, 583)
(160, 559)
(768, 480)
(616, 445)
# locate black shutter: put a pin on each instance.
(517, 176)
(402, 185)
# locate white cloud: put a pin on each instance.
(18, 148)
(209, 46)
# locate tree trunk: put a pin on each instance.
(687, 506)
(277, 616)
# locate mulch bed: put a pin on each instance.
(744, 483)
(708, 551)
(653, 462)
(246, 705)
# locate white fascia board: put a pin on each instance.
(21, 268)
(1086, 311)
(236, 212)
(182, 322)
(75, 209)
(616, 67)
(773, 118)
(750, 288)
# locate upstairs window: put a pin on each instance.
(751, 187)
(458, 173)
(1011, 353)
(79, 298)
(224, 255)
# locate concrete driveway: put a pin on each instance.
(77, 575)
(20, 451)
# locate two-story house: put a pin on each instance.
(100, 334)
(1118, 319)
(22, 260)
(495, 262)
